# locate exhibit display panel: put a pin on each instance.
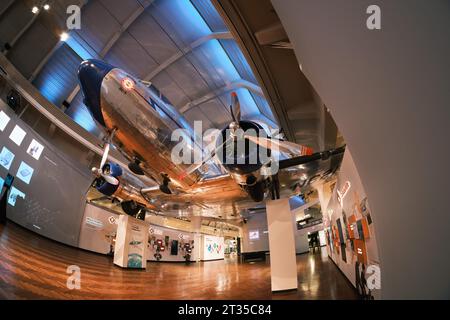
(350, 233)
(48, 191)
(130, 249)
(174, 245)
(213, 248)
(98, 229)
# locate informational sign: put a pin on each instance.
(131, 243)
(17, 135)
(213, 247)
(6, 158)
(35, 149)
(4, 120)
(25, 172)
(136, 246)
(14, 194)
(253, 235)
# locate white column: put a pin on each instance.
(130, 250)
(196, 225)
(283, 264)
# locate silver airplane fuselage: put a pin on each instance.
(144, 124)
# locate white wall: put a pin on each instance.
(301, 242)
(388, 93)
(255, 222)
(350, 205)
(258, 222)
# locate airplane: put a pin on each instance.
(139, 122)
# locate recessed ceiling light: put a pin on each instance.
(46, 6)
(35, 10)
(64, 36)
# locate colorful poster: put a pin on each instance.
(213, 248)
(136, 246)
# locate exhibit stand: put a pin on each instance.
(131, 243)
(213, 248)
(283, 264)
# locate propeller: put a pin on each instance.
(99, 171)
(283, 146)
(196, 166)
(235, 109)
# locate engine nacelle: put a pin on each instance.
(104, 187)
(243, 159)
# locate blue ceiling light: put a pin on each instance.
(73, 42)
(215, 54)
(219, 58)
(84, 119)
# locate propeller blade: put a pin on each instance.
(283, 146)
(107, 147)
(235, 107)
(194, 167)
(105, 155)
(110, 179)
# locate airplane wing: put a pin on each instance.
(298, 173)
(222, 193)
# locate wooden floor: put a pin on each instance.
(32, 267)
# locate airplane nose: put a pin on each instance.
(90, 74)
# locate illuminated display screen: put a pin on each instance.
(4, 120)
(6, 158)
(30, 199)
(17, 135)
(253, 235)
(25, 172)
(35, 149)
(13, 195)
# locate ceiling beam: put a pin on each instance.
(24, 29)
(6, 7)
(185, 50)
(245, 37)
(124, 27)
(113, 40)
(50, 53)
(44, 61)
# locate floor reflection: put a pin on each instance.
(34, 267)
